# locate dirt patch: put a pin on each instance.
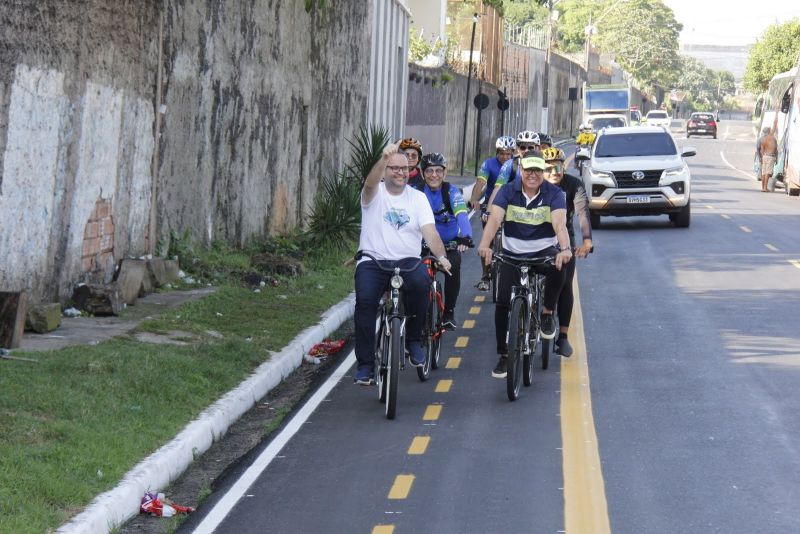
(252, 429)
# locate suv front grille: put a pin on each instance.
(625, 179)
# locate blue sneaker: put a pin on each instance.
(365, 376)
(417, 357)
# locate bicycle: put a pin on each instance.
(390, 339)
(433, 329)
(497, 247)
(524, 318)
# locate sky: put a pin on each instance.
(729, 22)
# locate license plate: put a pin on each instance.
(701, 129)
(639, 199)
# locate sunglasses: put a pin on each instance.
(553, 169)
(526, 147)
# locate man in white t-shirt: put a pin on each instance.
(394, 220)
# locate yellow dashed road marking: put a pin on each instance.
(462, 342)
(709, 206)
(475, 310)
(419, 445)
(432, 412)
(469, 323)
(796, 263)
(383, 529)
(726, 216)
(453, 363)
(480, 298)
(773, 248)
(745, 229)
(444, 385)
(401, 487)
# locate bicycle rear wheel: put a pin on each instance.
(437, 345)
(396, 352)
(547, 344)
(495, 267)
(429, 335)
(516, 347)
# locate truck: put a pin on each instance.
(606, 99)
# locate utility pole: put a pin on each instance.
(546, 81)
(466, 102)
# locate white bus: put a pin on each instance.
(775, 102)
(789, 144)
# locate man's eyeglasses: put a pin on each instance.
(553, 169)
(430, 170)
(398, 168)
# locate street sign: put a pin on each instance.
(502, 104)
(481, 101)
(573, 93)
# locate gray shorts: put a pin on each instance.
(767, 165)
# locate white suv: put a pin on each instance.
(638, 170)
(658, 117)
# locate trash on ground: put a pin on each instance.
(326, 348)
(72, 312)
(158, 505)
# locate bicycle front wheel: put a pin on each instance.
(381, 359)
(429, 336)
(516, 347)
(396, 352)
(547, 344)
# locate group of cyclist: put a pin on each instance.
(407, 204)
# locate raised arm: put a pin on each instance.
(376, 174)
(581, 202)
(559, 221)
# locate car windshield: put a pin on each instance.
(635, 144)
(657, 115)
(607, 122)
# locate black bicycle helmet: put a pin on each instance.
(545, 139)
(433, 159)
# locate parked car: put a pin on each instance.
(701, 124)
(638, 170)
(657, 117)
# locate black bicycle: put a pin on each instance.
(524, 321)
(390, 340)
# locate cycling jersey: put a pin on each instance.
(415, 178)
(490, 169)
(585, 138)
(450, 225)
(505, 176)
(577, 201)
(528, 227)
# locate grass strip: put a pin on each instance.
(72, 425)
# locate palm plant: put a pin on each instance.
(368, 147)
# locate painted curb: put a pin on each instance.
(116, 506)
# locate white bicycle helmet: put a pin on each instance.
(528, 137)
(505, 142)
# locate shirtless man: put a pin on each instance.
(768, 154)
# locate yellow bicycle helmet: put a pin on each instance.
(552, 154)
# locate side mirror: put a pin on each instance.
(688, 151)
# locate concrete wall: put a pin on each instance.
(251, 102)
(76, 115)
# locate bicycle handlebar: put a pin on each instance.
(518, 261)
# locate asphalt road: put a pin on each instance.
(688, 383)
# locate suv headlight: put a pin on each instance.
(675, 171)
(601, 175)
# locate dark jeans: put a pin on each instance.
(371, 282)
(508, 276)
(452, 283)
(566, 299)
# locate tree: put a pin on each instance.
(643, 34)
(572, 21)
(706, 88)
(525, 13)
(775, 52)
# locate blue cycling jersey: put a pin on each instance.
(449, 225)
(490, 170)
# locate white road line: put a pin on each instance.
(749, 176)
(240, 487)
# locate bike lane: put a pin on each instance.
(459, 457)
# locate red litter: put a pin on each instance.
(326, 348)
